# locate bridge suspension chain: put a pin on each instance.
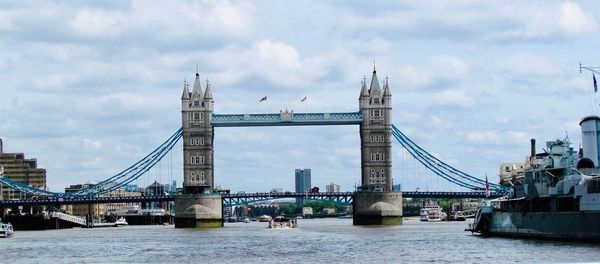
(441, 168)
(419, 156)
(112, 183)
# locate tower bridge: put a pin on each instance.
(374, 201)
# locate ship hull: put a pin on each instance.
(581, 226)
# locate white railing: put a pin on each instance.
(69, 218)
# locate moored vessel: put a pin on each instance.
(121, 222)
(555, 196)
(6, 230)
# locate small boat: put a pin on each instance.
(264, 218)
(283, 222)
(348, 216)
(231, 220)
(121, 222)
(434, 215)
(246, 220)
(459, 216)
(6, 230)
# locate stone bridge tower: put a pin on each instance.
(375, 203)
(198, 206)
(196, 113)
(375, 136)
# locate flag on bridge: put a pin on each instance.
(262, 99)
(487, 187)
(303, 99)
(595, 83)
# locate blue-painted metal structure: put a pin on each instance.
(441, 168)
(446, 195)
(87, 200)
(286, 119)
(115, 182)
(344, 198)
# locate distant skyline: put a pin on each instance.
(88, 88)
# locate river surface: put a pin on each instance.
(314, 241)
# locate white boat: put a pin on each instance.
(434, 215)
(431, 213)
(282, 222)
(121, 222)
(264, 218)
(246, 220)
(6, 230)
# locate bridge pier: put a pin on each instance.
(198, 211)
(377, 208)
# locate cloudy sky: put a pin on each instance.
(88, 88)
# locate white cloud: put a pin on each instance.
(527, 65)
(484, 137)
(573, 20)
(161, 24)
(90, 88)
(441, 72)
(452, 97)
(92, 144)
(554, 20)
(98, 23)
(495, 137)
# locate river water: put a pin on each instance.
(314, 241)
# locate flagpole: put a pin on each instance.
(594, 70)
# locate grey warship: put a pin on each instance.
(555, 196)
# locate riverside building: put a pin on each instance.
(17, 168)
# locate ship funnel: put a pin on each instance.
(532, 149)
(590, 137)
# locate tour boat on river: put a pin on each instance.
(283, 222)
(6, 230)
(431, 213)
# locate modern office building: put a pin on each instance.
(302, 182)
(17, 168)
(332, 187)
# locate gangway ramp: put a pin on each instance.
(69, 218)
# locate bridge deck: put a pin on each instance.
(286, 119)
